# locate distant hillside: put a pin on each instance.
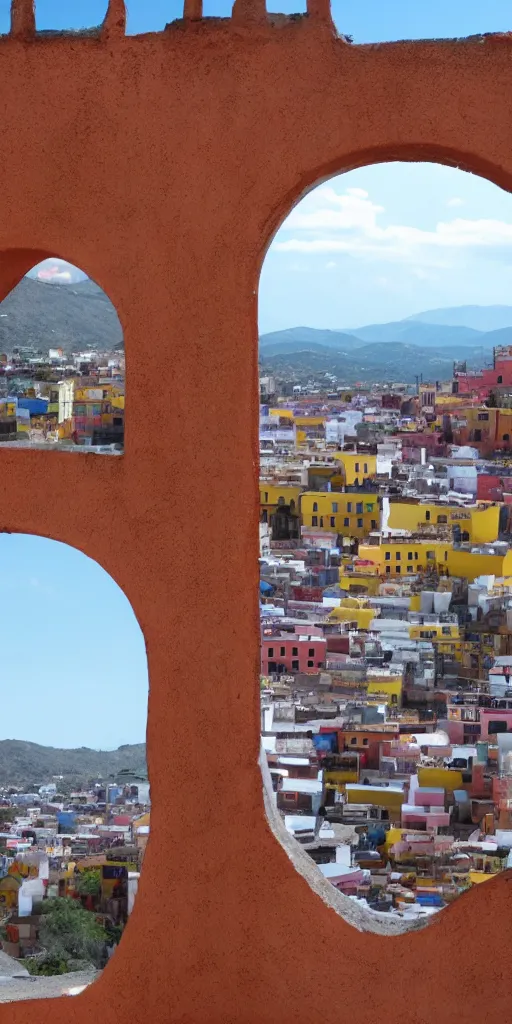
(380, 361)
(416, 333)
(480, 318)
(305, 338)
(67, 316)
(392, 351)
(28, 764)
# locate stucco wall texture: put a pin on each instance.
(162, 165)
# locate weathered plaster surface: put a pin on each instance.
(164, 173)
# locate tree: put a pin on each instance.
(88, 883)
(492, 401)
(68, 932)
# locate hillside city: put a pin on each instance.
(70, 395)
(386, 646)
(386, 629)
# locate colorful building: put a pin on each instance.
(351, 515)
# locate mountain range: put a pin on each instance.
(395, 350)
(68, 316)
(29, 764)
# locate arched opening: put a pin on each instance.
(397, 396)
(74, 790)
(62, 364)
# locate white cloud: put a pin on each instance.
(359, 193)
(455, 201)
(330, 222)
(331, 265)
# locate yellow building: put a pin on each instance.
(479, 522)
(351, 515)
(353, 609)
(389, 689)
(309, 428)
(366, 584)
(448, 779)
(470, 564)
(357, 467)
(274, 495)
(399, 557)
(389, 797)
(402, 556)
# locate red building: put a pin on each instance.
(494, 486)
(483, 381)
(292, 654)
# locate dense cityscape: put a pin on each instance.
(386, 629)
(386, 625)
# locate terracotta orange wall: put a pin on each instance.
(162, 167)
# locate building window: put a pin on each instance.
(359, 523)
(356, 467)
(314, 520)
(365, 467)
(442, 519)
(446, 631)
(335, 506)
(321, 521)
(295, 666)
(398, 569)
(346, 521)
(295, 652)
(359, 507)
(398, 556)
(272, 667)
(315, 506)
(506, 437)
(365, 741)
(283, 652)
(311, 664)
(409, 556)
(483, 417)
(427, 516)
(349, 506)
(333, 521)
(446, 556)
(266, 497)
(416, 556)
(374, 524)
(353, 740)
(431, 555)
(311, 652)
(410, 568)
(387, 556)
(270, 652)
(388, 569)
(500, 379)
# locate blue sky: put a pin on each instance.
(73, 663)
(377, 244)
(387, 241)
(366, 20)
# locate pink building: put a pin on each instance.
(493, 721)
(429, 817)
(428, 797)
(292, 654)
